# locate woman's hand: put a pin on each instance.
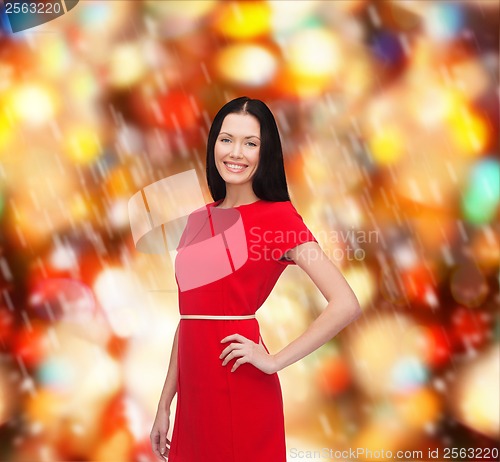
(247, 351)
(159, 441)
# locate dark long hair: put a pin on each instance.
(269, 181)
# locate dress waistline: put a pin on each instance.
(209, 316)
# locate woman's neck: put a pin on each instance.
(236, 198)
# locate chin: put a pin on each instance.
(235, 180)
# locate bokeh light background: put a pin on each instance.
(388, 112)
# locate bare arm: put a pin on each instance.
(170, 386)
(342, 308)
(159, 441)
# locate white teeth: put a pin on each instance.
(235, 166)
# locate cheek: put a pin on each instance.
(220, 151)
(254, 156)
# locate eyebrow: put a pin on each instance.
(246, 137)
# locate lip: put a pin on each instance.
(232, 170)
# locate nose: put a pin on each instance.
(236, 151)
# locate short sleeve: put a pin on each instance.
(288, 231)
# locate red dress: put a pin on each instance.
(227, 264)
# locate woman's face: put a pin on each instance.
(237, 148)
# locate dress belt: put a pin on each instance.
(209, 316)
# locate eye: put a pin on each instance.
(224, 139)
(252, 144)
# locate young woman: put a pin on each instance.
(230, 256)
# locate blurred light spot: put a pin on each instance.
(470, 328)
(53, 55)
(418, 409)
(377, 344)
(83, 85)
(472, 77)
(313, 53)
(24, 99)
(289, 16)
(82, 144)
(468, 130)
(404, 255)
(129, 139)
(78, 207)
(6, 132)
(436, 345)
(118, 213)
(192, 9)
(333, 376)
(243, 20)
(30, 344)
(482, 196)
(408, 374)
(150, 345)
(387, 145)
(246, 64)
(362, 282)
(120, 299)
(87, 376)
(45, 407)
(432, 104)
(350, 214)
(443, 20)
(475, 399)
(63, 257)
(56, 374)
(419, 283)
(97, 16)
(126, 65)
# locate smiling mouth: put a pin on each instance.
(234, 167)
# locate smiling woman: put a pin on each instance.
(238, 146)
(244, 133)
(230, 256)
